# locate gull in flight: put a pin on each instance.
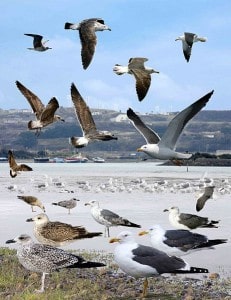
(164, 148)
(141, 73)
(45, 115)
(38, 44)
(86, 121)
(14, 167)
(87, 29)
(188, 39)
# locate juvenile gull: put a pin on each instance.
(180, 241)
(38, 44)
(68, 204)
(45, 115)
(164, 148)
(46, 259)
(32, 201)
(14, 167)
(188, 39)
(57, 233)
(142, 261)
(188, 221)
(86, 121)
(108, 218)
(208, 193)
(87, 29)
(141, 73)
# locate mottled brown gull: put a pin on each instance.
(16, 168)
(32, 201)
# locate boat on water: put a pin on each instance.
(42, 159)
(98, 159)
(3, 159)
(57, 160)
(76, 159)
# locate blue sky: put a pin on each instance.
(145, 28)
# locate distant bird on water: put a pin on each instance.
(188, 39)
(46, 259)
(32, 201)
(68, 204)
(38, 44)
(86, 121)
(208, 193)
(141, 73)
(164, 148)
(45, 115)
(87, 29)
(56, 233)
(188, 221)
(107, 217)
(14, 167)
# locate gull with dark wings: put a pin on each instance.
(164, 148)
(45, 115)
(86, 121)
(87, 29)
(14, 167)
(188, 39)
(141, 73)
(38, 44)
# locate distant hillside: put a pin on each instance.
(207, 132)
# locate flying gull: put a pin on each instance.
(32, 201)
(208, 193)
(164, 148)
(46, 259)
(45, 115)
(141, 73)
(38, 44)
(188, 221)
(87, 29)
(180, 241)
(188, 39)
(86, 121)
(108, 218)
(14, 167)
(57, 233)
(68, 204)
(142, 261)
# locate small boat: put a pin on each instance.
(98, 160)
(42, 159)
(57, 160)
(3, 159)
(76, 159)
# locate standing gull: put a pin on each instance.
(164, 148)
(188, 221)
(45, 115)
(68, 204)
(188, 39)
(14, 167)
(87, 29)
(32, 201)
(86, 121)
(46, 259)
(108, 218)
(180, 241)
(141, 73)
(208, 193)
(142, 261)
(38, 44)
(57, 233)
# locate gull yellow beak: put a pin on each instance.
(143, 232)
(114, 240)
(139, 150)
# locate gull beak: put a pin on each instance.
(143, 232)
(30, 220)
(114, 240)
(10, 241)
(139, 150)
(165, 210)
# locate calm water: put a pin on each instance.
(137, 191)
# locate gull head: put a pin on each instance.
(22, 239)
(123, 237)
(40, 219)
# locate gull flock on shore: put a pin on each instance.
(134, 259)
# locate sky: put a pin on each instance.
(139, 28)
